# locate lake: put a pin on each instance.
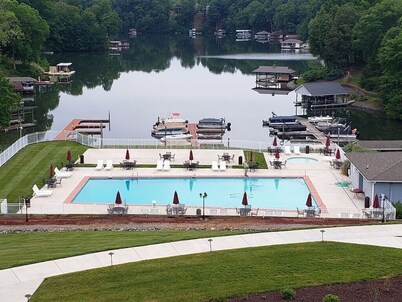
(202, 77)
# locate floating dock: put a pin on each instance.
(84, 126)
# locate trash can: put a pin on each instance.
(307, 149)
(81, 159)
(366, 202)
(240, 160)
(198, 212)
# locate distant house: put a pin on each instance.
(377, 173)
(291, 44)
(322, 94)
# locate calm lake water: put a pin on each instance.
(199, 78)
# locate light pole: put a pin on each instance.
(111, 258)
(210, 244)
(203, 196)
(322, 235)
(27, 201)
(28, 296)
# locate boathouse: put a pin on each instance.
(377, 173)
(322, 95)
(273, 74)
(291, 44)
(23, 85)
(381, 145)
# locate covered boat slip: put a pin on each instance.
(322, 94)
(273, 74)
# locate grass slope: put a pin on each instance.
(25, 248)
(31, 164)
(217, 275)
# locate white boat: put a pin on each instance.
(172, 123)
(176, 137)
(212, 123)
(317, 119)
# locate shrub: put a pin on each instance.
(331, 298)
(288, 294)
(398, 207)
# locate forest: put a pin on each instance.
(348, 35)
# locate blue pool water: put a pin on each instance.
(272, 193)
(302, 160)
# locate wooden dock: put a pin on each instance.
(85, 126)
(192, 128)
(313, 130)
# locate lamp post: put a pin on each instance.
(28, 296)
(27, 201)
(203, 196)
(383, 209)
(111, 258)
(322, 235)
(210, 244)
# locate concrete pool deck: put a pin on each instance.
(338, 201)
(16, 282)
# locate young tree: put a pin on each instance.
(9, 100)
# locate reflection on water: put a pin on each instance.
(200, 78)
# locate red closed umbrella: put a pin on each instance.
(118, 198)
(244, 201)
(277, 153)
(175, 198)
(338, 154)
(328, 142)
(69, 157)
(127, 155)
(309, 202)
(274, 143)
(51, 171)
(376, 202)
(251, 155)
(191, 156)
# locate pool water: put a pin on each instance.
(271, 193)
(302, 160)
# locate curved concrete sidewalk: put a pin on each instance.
(16, 282)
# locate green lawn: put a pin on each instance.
(25, 248)
(217, 275)
(31, 164)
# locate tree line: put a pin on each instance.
(344, 33)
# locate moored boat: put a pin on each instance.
(212, 123)
(174, 137)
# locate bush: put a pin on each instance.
(331, 298)
(398, 207)
(321, 73)
(288, 294)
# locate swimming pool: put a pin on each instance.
(302, 160)
(271, 193)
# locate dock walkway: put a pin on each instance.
(313, 130)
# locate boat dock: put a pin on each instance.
(84, 126)
(192, 128)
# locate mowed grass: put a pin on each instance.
(25, 248)
(31, 164)
(218, 275)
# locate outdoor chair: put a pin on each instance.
(300, 212)
(296, 150)
(255, 212)
(60, 174)
(109, 165)
(287, 150)
(222, 166)
(284, 163)
(215, 166)
(159, 165)
(166, 165)
(99, 165)
(41, 193)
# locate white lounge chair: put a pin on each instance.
(99, 166)
(109, 165)
(166, 165)
(287, 150)
(222, 166)
(159, 165)
(215, 166)
(60, 174)
(40, 193)
(296, 150)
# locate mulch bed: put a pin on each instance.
(381, 290)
